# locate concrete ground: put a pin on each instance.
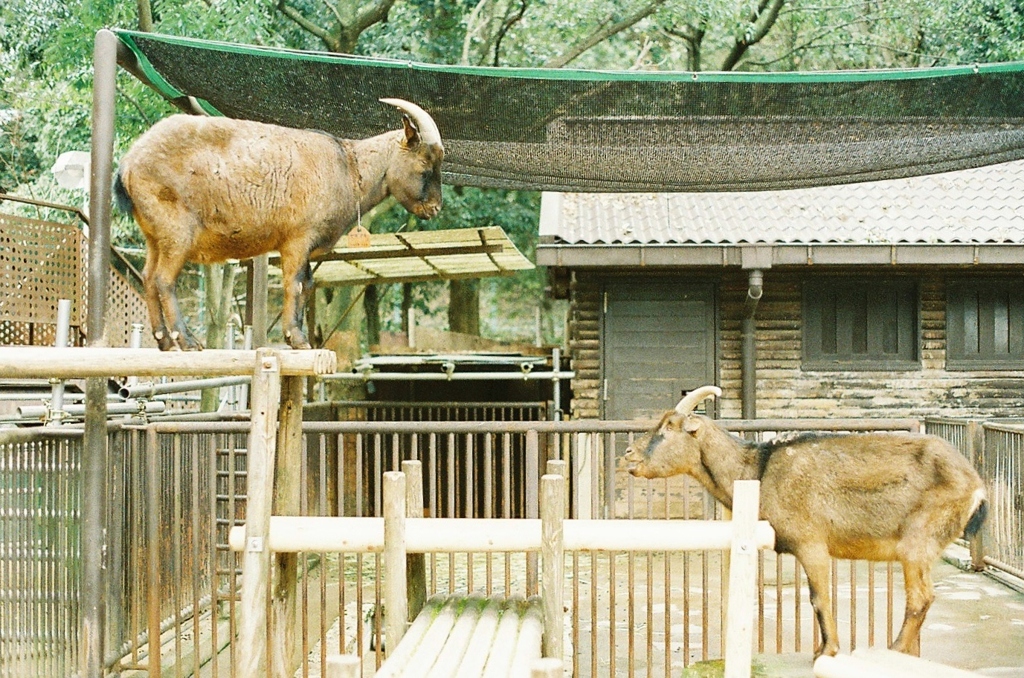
(976, 623)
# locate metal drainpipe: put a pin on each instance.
(748, 348)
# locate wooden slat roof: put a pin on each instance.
(422, 255)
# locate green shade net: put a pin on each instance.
(572, 130)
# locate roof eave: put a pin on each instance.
(805, 254)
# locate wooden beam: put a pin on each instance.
(285, 655)
(36, 362)
(410, 253)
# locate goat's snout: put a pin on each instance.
(634, 458)
(427, 210)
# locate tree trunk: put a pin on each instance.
(464, 307)
(371, 306)
(220, 291)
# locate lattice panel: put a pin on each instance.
(125, 306)
(40, 263)
(14, 333)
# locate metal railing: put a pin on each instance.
(997, 451)
(631, 614)
(177, 488)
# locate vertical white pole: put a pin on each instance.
(343, 666)
(739, 630)
(396, 601)
(552, 556)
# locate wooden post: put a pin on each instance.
(252, 632)
(285, 655)
(532, 508)
(415, 564)
(396, 610)
(546, 667)
(343, 666)
(552, 556)
(739, 629)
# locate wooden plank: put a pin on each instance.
(399, 657)
(343, 666)
(499, 656)
(39, 362)
(285, 655)
(475, 659)
(552, 509)
(252, 633)
(457, 643)
(396, 611)
(531, 634)
(494, 535)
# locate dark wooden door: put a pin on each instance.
(658, 341)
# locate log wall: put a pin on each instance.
(784, 388)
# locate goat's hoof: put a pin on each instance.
(828, 651)
(297, 340)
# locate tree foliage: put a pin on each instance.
(46, 65)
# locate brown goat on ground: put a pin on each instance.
(871, 496)
(207, 189)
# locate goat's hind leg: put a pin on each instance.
(298, 284)
(165, 279)
(156, 314)
(917, 584)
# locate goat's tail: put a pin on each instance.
(124, 201)
(977, 518)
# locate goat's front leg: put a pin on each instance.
(917, 585)
(297, 281)
(817, 563)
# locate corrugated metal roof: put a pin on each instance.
(981, 205)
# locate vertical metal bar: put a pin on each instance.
(871, 604)
(177, 523)
(853, 605)
(611, 612)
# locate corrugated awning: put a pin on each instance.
(422, 255)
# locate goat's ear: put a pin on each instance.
(691, 424)
(412, 135)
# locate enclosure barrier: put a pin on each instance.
(95, 363)
(395, 535)
(996, 450)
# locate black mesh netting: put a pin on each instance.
(622, 131)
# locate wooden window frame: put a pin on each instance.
(998, 331)
(847, 324)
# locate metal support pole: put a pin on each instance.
(748, 345)
(61, 341)
(94, 452)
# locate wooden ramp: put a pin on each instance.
(469, 637)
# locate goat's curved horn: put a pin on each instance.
(429, 133)
(687, 404)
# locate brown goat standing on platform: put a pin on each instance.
(207, 189)
(870, 496)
